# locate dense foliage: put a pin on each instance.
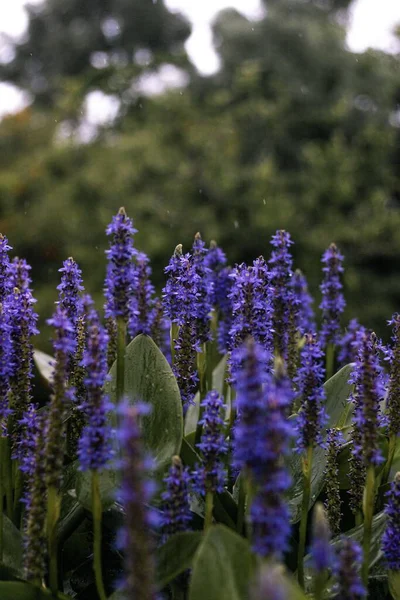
(294, 129)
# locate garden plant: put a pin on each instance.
(230, 439)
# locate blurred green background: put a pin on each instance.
(294, 131)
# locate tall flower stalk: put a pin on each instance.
(95, 444)
(311, 420)
(118, 285)
(321, 551)
(393, 397)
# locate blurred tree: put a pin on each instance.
(293, 132)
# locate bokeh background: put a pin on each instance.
(283, 122)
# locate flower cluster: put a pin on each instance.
(391, 536)
(349, 560)
(70, 289)
(393, 398)
(176, 506)
(348, 344)
(141, 303)
(305, 313)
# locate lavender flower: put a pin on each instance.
(5, 368)
(184, 366)
(136, 492)
(176, 505)
(211, 475)
(5, 270)
(26, 445)
(349, 560)
(333, 501)
(204, 290)
(333, 302)
(70, 290)
(321, 550)
(348, 344)
(305, 314)
(120, 271)
(23, 321)
(220, 287)
(34, 558)
(20, 274)
(64, 345)
(95, 443)
(141, 305)
(393, 398)
(368, 393)
(391, 536)
(309, 380)
(262, 437)
(280, 276)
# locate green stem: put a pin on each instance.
(359, 518)
(330, 360)
(307, 470)
(388, 464)
(208, 509)
(319, 585)
(369, 500)
(121, 344)
(202, 370)
(8, 478)
(19, 486)
(241, 504)
(2, 442)
(97, 515)
(53, 513)
(174, 332)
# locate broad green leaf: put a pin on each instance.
(20, 590)
(44, 364)
(394, 584)
(222, 567)
(107, 483)
(12, 544)
(149, 379)
(337, 390)
(192, 414)
(176, 555)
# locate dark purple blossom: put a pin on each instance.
(136, 492)
(6, 282)
(20, 274)
(220, 287)
(280, 280)
(332, 487)
(35, 547)
(347, 570)
(184, 366)
(204, 290)
(348, 344)
(70, 289)
(210, 476)
(393, 398)
(305, 314)
(62, 396)
(333, 302)
(309, 381)
(180, 298)
(120, 271)
(321, 549)
(262, 437)
(94, 449)
(368, 392)
(141, 304)
(175, 499)
(26, 445)
(5, 368)
(391, 536)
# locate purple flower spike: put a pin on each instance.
(20, 274)
(64, 345)
(94, 449)
(368, 392)
(5, 368)
(141, 306)
(204, 290)
(211, 475)
(391, 536)
(333, 302)
(176, 505)
(221, 285)
(348, 343)
(5, 269)
(305, 315)
(70, 289)
(136, 492)
(262, 437)
(280, 279)
(348, 564)
(120, 272)
(184, 367)
(393, 399)
(309, 380)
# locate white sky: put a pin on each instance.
(371, 24)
